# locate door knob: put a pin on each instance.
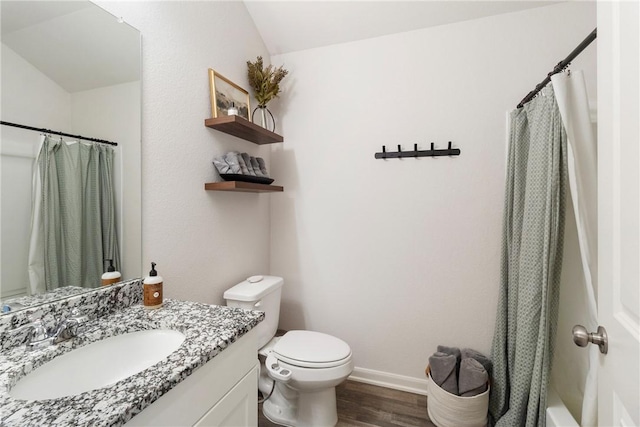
(581, 337)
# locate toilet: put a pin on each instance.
(299, 370)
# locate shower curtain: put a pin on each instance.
(533, 230)
(574, 374)
(73, 229)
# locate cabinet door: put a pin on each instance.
(238, 408)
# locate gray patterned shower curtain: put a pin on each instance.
(533, 230)
(73, 227)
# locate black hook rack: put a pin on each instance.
(433, 152)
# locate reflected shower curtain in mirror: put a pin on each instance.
(533, 230)
(73, 227)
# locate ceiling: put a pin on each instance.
(80, 46)
(77, 44)
(288, 26)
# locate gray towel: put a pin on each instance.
(221, 165)
(473, 378)
(233, 160)
(263, 166)
(243, 165)
(255, 166)
(247, 162)
(443, 371)
(484, 360)
(452, 350)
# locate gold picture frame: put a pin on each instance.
(225, 94)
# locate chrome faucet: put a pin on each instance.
(38, 334)
(70, 327)
(66, 329)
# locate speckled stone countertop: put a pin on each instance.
(43, 298)
(208, 330)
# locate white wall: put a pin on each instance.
(30, 98)
(203, 241)
(398, 256)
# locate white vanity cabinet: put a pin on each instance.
(223, 392)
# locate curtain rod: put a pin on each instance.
(84, 138)
(561, 66)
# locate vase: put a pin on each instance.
(264, 118)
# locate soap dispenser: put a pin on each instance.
(152, 289)
(111, 275)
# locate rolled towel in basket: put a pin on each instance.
(452, 350)
(443, 371)
(484, 360)
(473, 378)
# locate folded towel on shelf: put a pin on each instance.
(263, 166)
(243, 166)
(443, 371)
(233, 160)
(454, 351)
(221, 165)
(473, 378)
(247, 162)
(484, 360)
(255, 166)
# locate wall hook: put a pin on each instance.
(432, 152)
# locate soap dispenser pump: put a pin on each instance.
(152, 289)
(111, 275)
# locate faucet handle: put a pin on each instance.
(39, 332)
(79, 316)
(78, 321)
(38, 335)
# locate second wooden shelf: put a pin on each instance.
(248, 187)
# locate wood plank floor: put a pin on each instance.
(364, 405)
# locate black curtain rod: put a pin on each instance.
(84, 138)
(561, 66)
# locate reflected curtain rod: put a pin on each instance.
(84, 138)
(561, 66)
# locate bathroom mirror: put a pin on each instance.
(72, 67)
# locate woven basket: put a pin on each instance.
(448, 410)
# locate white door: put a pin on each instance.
(619, 211)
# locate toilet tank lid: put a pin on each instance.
(253, 290)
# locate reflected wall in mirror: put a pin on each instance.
(71, 67)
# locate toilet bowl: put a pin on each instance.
(299, 370)
(307, 366)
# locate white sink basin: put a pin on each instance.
(98, 365)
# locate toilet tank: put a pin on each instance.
(262, 295)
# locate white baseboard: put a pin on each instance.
(394, 381)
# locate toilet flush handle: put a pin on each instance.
(258, 304)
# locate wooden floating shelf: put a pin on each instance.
(242, 128)
(247, 187)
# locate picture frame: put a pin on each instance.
(225, 94)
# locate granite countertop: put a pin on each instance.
(208, 330)
(33, 300)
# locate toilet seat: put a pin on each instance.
(308, 349)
